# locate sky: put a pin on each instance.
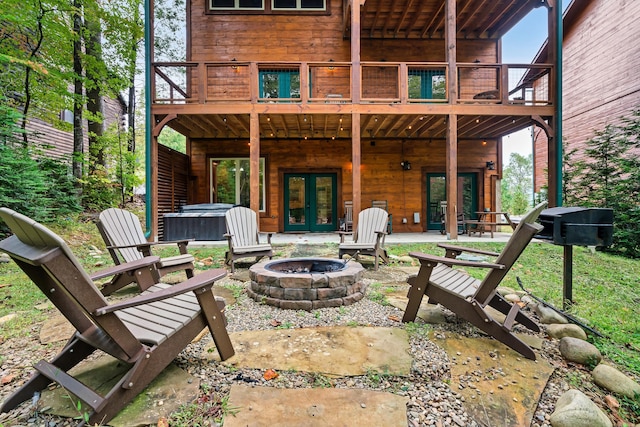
(520, 46)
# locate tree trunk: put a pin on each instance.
(78, 133)
(95, 107)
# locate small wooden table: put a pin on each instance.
(487, 222)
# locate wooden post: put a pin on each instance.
(356, 157)
(254, 163)
(356, 79)
(451, 162)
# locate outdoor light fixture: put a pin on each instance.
(331, 67)
(491, 166)
(234, 66)
(406, 165)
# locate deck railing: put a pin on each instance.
(331, 83)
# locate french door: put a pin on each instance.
(436, 193)
(310, 202)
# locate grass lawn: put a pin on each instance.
(606, 288)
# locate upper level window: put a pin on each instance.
(299, 4)
(237, 4)
(268, 6)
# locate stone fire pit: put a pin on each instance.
(306, 283)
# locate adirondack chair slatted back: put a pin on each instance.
(242, 225)
(120, 227)
(370, 221)
(51, 265)
(348, 212)
(519, 240)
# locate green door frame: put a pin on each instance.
(469, 209)
(311, 223)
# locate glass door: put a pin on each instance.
(436, 193)
(310, 202)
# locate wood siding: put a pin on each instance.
(382, 174)
(601, 57)
(173, 179)
(57, 142)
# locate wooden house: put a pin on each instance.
(294, 107)
(600, 81)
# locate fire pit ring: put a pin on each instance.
(306, 283)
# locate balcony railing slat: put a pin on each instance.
(330, 82)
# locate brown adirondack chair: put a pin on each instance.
(369, 236)
(122, 233)
(468, 297)
(145, 332)
(243, 238)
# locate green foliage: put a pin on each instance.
(207, 408)
(606, 173)
(34, 185)
(517, 185)
(99, 191)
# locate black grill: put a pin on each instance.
(577, 226)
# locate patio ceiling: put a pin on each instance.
(338, 126)
(425, 19)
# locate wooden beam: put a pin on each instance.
(356, 160)
(451, 158)
(254, 164)
(403, 17)
(356, 73)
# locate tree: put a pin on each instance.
(606, 174)
(517, 184)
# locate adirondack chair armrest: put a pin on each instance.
(125, 267)
(381, 235)
(201, 283)
(453, 261)
(344, 233)
(457, 250)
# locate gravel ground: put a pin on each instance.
(432, 401)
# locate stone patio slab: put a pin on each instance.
(172, 388)
(319, 407)
(339, 350)
(500, 386)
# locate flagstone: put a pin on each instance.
(339, 350)
(314, 407)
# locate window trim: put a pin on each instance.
(267, 9)
(263, 163)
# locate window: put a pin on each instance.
(279, 84)
(237, 4)
(269, 6)
(299, 4)
(427, 84)
(230, 182)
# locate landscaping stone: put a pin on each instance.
(498, 384)
(561, 330)
(574, 409)
(512, 298)
(505, 290)
(613, 380)
(339, 350)
(311, 407)
(430, 313)
(7, 318)
(579, 351)
(549, 316)
(172, 388)
(4, 258)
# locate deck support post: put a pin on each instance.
(356, 79)
(451, 162)
(254, 163)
